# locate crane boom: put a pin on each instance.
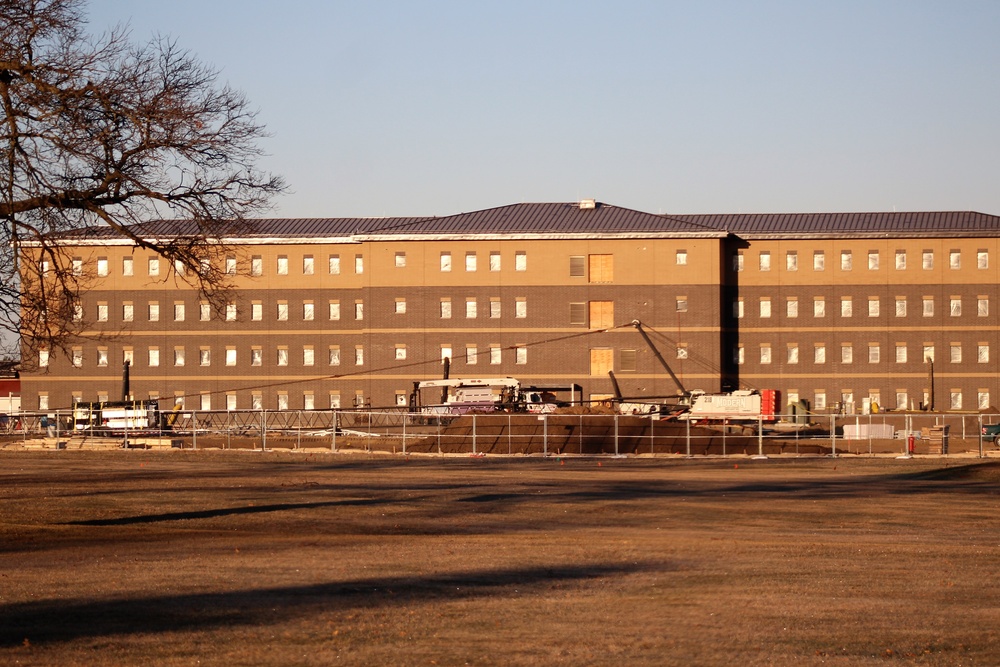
(659, 357)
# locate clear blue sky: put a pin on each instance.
(433, 108)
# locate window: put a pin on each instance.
(470, 308)
(43, 358)
(738, 308)
(400, 352)
(819, 400)
(256, 311)
(900, 260)
(400, 306)
(681, 258)
(928, 353)
(819, 306)
(308, 311)
(334, 400)
(846, 353)
(983, 353)
(445, 262)
(983, 399)
(494, 308)
(359, 264)
(230, 401)
(128, 356)
(282, 356)
(334, 310)
(602, 268)
(77, 312)
(846, 260)
(282, 311)
(682, 351)
(154, 311)
(956, 399)
(955, 260)
(982, 259)
(739, 355)
(43, 401)
(602, 314)
(154, 356)
(819, 353)
(206, 401)
(102, 266)
(495, 357)
(928, 260)
(400, 260)
(901, 353)
(308, 355)
(792, 353)
(282, 400)
(445, 308)
(102, 356)
(178, 312)
(681, 304)
(765, 306)
(955, 353)
(520, 307)
(334, 358)
(309, 400)
(520, 261)
(257, 400)
(127, 266)
(470, 262)
(471, 354)
(231, 265)
(178, 356)
(846, 306)
(873, 260)
(256, 265)
(955, 307)
(983, 306)
(204, 312)
(765, 353)
(791, 260)
(230, 312)
(494, 260)
(154, 266)
(627, 361)
(204, 357)
(359, 355)
(819, 260)
(900, 306)
(334, 265)
(873, 306)
(179, 267)
(577, 266)
(764, 261)
(578, 313)
(102, 312)
(309, 265)
(874, 353)
(902, 400)
(76, 357)
(230, 356)
(359, 310)
(792, 307)
(928, 302)
(738, 261)
(520, 355)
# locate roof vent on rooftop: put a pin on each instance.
(586, 204)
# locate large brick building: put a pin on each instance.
(831, 308)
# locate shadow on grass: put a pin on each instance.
(66, 620)
(213, 513)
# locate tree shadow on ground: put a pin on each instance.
(66, 620)
(220, 512)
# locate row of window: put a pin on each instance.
(847, 306)
(308, 266)
(847, 356)
(153, 310)
(847, 260)
(494, 355)
(903, 399)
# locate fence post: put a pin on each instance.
(333, 439)
(833, 434)
(980, 435)
(473, 433)
(194, 425)
(687, 436)
(263, 430)
(616, 433)
(406, 417)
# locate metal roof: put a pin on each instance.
(572, 219)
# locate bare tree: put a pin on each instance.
(101, 132)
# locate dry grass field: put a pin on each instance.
(242, 558)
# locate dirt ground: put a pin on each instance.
(253, 558)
